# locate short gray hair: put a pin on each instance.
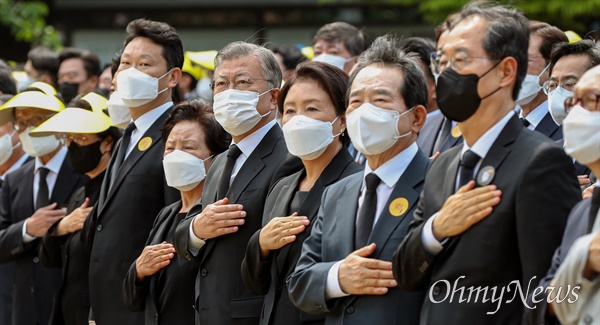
(268, 63)
(386, 51)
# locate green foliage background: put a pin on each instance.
(27, 22)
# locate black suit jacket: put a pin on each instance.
(120, 223)
(72, 300)
(514, 243)
(145, 296)
(267, 277)
(576, 227)
(550, 129)
(332, 240)
(429, 133)
(221, 296)
(35, 284)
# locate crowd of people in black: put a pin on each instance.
(393, 181)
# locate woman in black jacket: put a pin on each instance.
(160, 282)
(312, 104)
(90, 139)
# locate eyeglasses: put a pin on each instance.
(240, 83)
(586, 102)
(35, 121)
(551, 85)
(458, 61)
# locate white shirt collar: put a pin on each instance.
(535, 117)
(391, 171)
(55, 163)
(434, 113)
(485, 142)
(144, 122)
(250, 142)
(15, 166)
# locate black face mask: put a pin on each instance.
(84, 158)
(457, 95)
(68, 91)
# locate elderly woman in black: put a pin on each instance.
(160, 282)
(312, 104)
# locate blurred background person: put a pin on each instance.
(190, 74)
(339, 44)
(288, 57)
(312, 106)
(159, 282)
(106, 78)
(568, 62)
(78, 73)
(89, 137)
(532, 99)
(41, 65)
(32, 200)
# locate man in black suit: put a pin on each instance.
(582, 145)
(31, 201)
(345, 267)
(246, 85)
(483, 226)
(532, 99)
(134, 189)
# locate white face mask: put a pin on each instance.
(118, 111)
(38, 146)
(308, 138)
(236, 110)
(373, 130)
(6, 147)
(334, 60)
(581, 129)
(184, 171)
(530, 88)
(556, 104)
(137, 88)
(25, 83)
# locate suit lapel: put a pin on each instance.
(283, 202)
(450, 178)
(499, 149)
(134, 156)
(27, 188)
(406, 187)
(346, 208)
(547, 126)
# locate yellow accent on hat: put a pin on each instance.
(205, 59)
(44, 99)
(572, 36)
(308, 52)
(190, 67)
(78, 120)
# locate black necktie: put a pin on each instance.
(442, 136)
(466, 167)
(232, 155)
(366, 214)
(121, 152)
(43, 194)
(593, 209)
(525, 122)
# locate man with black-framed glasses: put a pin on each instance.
(31, 201)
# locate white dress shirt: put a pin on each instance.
(389, 173)
(53, 167)
(535, 117)
(247, 145)
(143, 123)
(481, 148)
(15, 166)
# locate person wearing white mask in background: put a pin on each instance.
(117, 109)
(345, 267)
(568, 62)
(31, 201)
(340, 44)
(312, 106)
(159, 282)
(532, 99)
(576, 261)
(215, 233)
(41, 65)
(134, 189)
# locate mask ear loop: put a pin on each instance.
(162, 91)
(398, 119)
(546, 68)
(332, 126)
(269, 112)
